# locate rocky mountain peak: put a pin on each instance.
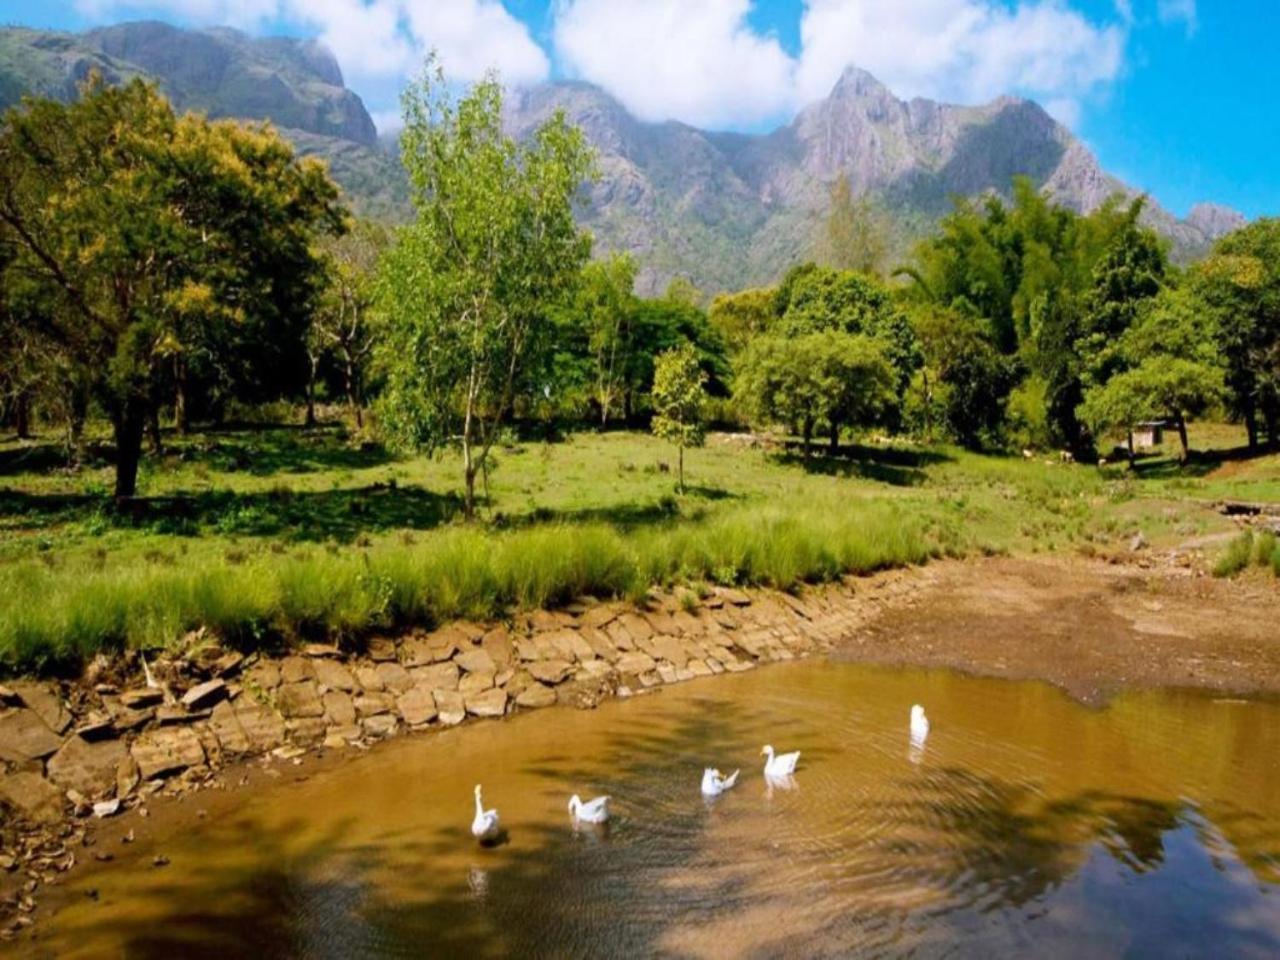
(1215, 220)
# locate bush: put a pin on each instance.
(1236, 557)
(1264, 548)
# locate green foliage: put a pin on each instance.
(738, 317)
(469, 286)
(1236, 557)
(605, 303)
(678, 400)
(855, 235)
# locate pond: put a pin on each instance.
(1027, 824)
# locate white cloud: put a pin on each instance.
(1179, 11)
(472, 36)
(699, 62)
(964, 50)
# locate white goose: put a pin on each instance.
(714, 783)
(919, 724)
(485, 825)
(593, 811)
(782, 765)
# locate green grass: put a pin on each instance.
(266, 534)
(1236, 557)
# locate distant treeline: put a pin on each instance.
(160, 269)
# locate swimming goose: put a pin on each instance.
(593, 811)
(783, 765)
(919, 723)
(485, 825)
(714, 783)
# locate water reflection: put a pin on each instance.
(1031, 825)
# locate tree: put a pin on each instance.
(854, 234)
(470, 287)
(195, 230)
(741, 316)
(963, 374)
(606, 303)
(341, 322)
(681, 290)
(678, 398)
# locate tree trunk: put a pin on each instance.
(1132, 455)
(353, 394)
(79, 405)
(153, 427)
(807, 433)
(180, 396)
(129, 423)
(1251, 426)
(1182, 437)
(680, 468)
(311, 398)
(835, 439)
(22, 415)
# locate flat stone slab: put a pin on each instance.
(476, 661)
(262, 727)
(550, 671)
(634, 663)
(89, 768)
(44, 703)
(394, 677)
(24, 736)
(440, 676)
(339, 708)
(204, 695)
(334, 675)
(383, 725)
(374, 704)
(296, 669)
(32, 796)
(167, 750)
(226, 727)
(417, 706)
(536, 695)
(490, 703)
(141, 698)
(300, 700)
(472, 683)
(450, 707)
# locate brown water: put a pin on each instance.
(1027, 825)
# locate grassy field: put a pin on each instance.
(263, 534)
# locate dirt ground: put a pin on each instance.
(1089, 627)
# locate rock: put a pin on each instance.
(338, 707)
(489, 703)
(450, 708)
(417, 706)
(374, 704)
(667, 671)
(296, 669)
(634, 663)
(204, 695)
(440, 676)
(1137, 543)
(141, 698)
(96, 726)
(550, 671)
(735, 597)
(127, 776)
(617, 633)
(394, 677)
(368, 678)
(167, 750)
(170, 714)
(536, 695)
(159, 860)
(699, 668)
(227, 664)
(599, 616)
(497, 643)
(226, 727)
(305, 731)
(262, 727)
(106, 808)
(666, 648)
(24, 736)
(341, 736)
(264, 675)
(44, 703)
(31, 796)
(335, 676)
(318, 650)
(636, 626)
(597, 669)
(599, 643)
(89, 768)
(416, 652)
(299, 700)
(475, 683)
(382, 649)
(476, 661)
(383, 725)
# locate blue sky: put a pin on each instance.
(1175, 96)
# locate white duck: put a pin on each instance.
(593, 811)
(485, 825)
(782, 765)
(714, 783)
(919, 724)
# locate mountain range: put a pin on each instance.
(726, 210)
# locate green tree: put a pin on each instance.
(678, 398)
(144, 232)
(741, 316)
(606, 303)
(964, 375)
(855, 234)
(470, 286)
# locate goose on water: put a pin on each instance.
(485, 825)
(593, 811)
(782, 765)
(714, 783)
(919, 723)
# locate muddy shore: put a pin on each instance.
(215, 726)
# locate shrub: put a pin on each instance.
(1236, 557)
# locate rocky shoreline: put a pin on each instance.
(77, 752)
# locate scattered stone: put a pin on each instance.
(204, 694)
(497, 643)
(1138, 542)
(24, 736)
(383, 725)
(536, 695)
(476, 661)
(550, 671)
(167, 750)
(394, 677)
(300, 699)
(489, 703)
(374, 704)
(103, 856)
(440, 676)
(32, 796)
(735, 597)
(44, 703)
(634, 664)
(288, 753)
(472, 683)
(319, 650)
(450, 707)
(127, 838)
(97, 726)
(89, 768)
(159, 860)
(227, 664)
(171, 713)
(417, 706)
(127, 775)
(106, 808)
(142, 697)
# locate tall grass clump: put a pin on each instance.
(54, 619)
(1264, 549)
(1236, 557)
